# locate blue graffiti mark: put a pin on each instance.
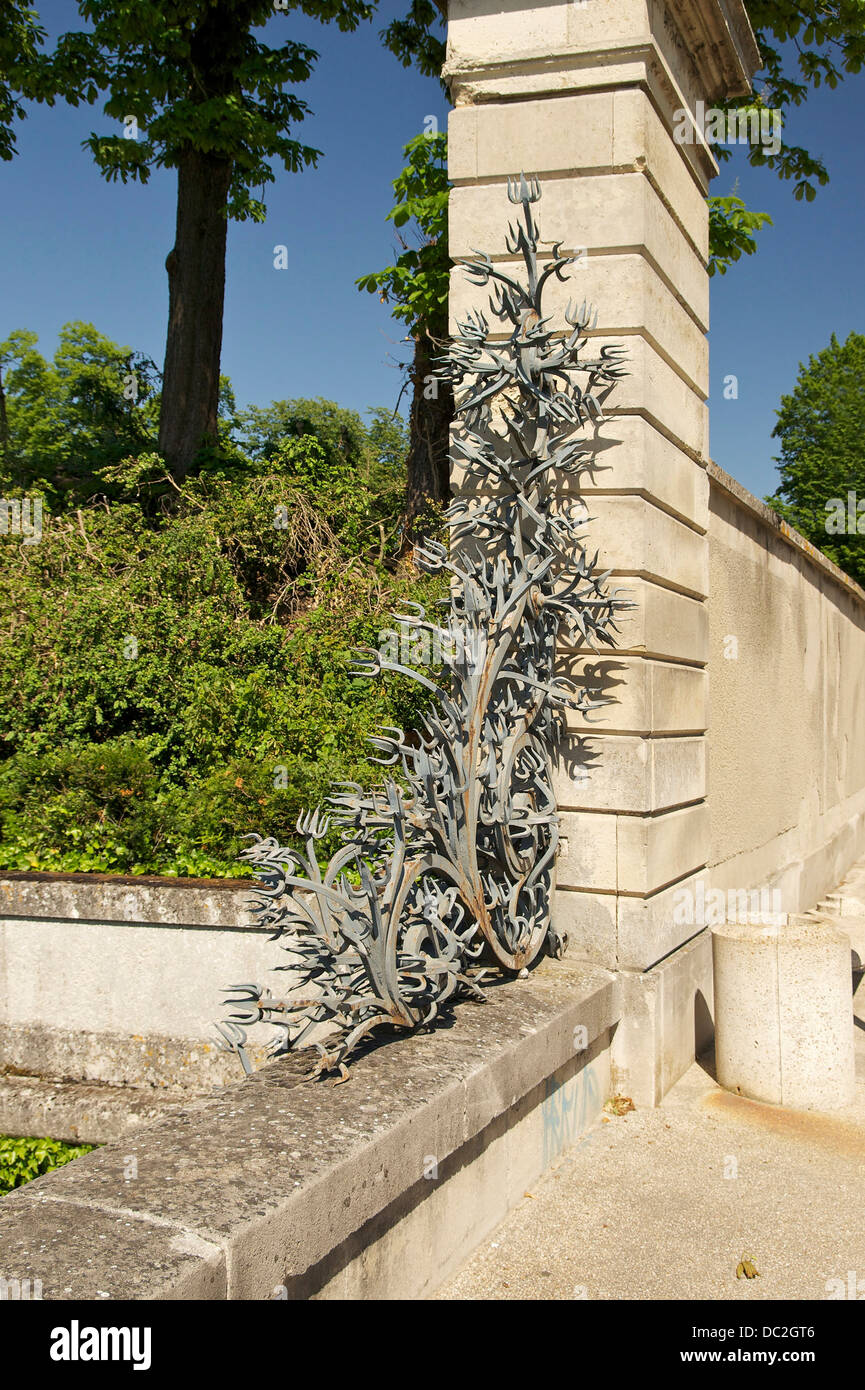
(568, 1108)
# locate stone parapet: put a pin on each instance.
(279, 1189)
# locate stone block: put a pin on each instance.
(633, 537)
(601, 214)
(645, 696)
(587, 133)
(649, 927)
(630, 854)
(666, 1022)
(631, 300)
(629, 456)
(618, 772)
(590, 921)
(661, 623)
(784, 1013)
(625, 931)
(653, 851)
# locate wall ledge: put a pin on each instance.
(274, 1188)
(147, 899)
(745, 499)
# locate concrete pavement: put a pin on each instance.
(664, 1204)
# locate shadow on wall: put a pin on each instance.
(704, 1027)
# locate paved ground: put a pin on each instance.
(664, 1204)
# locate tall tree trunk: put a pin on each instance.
(196, 297)
(432, 409)
(4, 423)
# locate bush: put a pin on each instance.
(176, 660)
(21, 1160)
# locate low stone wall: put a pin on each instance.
(109, 989)
(786, 751)
(112, 985)
(377, 1188)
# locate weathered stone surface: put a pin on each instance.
(590, 133)
(626, 931)
(784, 1013)
(632, 854)
(76, 974)
(285, 1184)
(78, 1112)
(78, 1251)
(787, 667)
(149, 1061)
(631, 300)
(113, 898)
(666, 1022)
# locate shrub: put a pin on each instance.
(21, 1160)
(176, 661)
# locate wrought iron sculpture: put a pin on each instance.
(450, 870)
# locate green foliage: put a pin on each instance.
(731, 231)
(388, 443)
(417, 283)
(341, 433)
(21, 1160)
(20, 38)
(412, 39)
(92, 405)
(176, 658)
(192, 74)
(821, 426)
(825, 39)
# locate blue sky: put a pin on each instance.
(74, 247)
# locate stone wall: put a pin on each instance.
(277, 1189)
(113, 981)
(786, 741)
(704, 772)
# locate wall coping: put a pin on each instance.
(726, 42)
(745, 499)
(168, 902)
(272, 1183)
(149, 880)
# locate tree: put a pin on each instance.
(351, 454)
(828, 37)
(821, 426)
(341, 433)
(417, 285)
(196, 92)
(20, 38)
(62, 422)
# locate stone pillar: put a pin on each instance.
(587, 95)
(784, 1013)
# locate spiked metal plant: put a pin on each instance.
(449, 871)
